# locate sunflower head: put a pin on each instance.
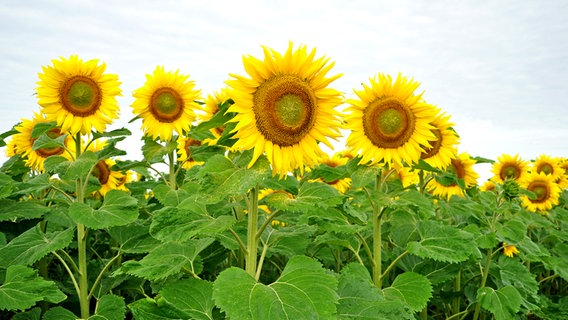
(166, 103)
(488, 186)
(389, 122)
(462, 168)
(510, 250)
(78, 95)
(546, 192)
(108, 178)
(184, 151)
(443, 148)
(549, 166)
(509, 167)
(285, 108)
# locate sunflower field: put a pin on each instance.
(238, 210)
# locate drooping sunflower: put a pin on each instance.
(108, 178)
(509, 167)
(462, 167)
(211, 108)
(443, 148)
(510, 250)
(389, 122)
(546, 191)
(78, 95)
(24, 143)
(166, 103)
(285, 108)
(184, 153)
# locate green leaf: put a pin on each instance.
(109, 307)
(364, 176)
(167, 259)
(310, 195)
(442, 243)
(173, 224)
(42, 128)
(412, 288)
(46, 142)
(169, 197)
(22, 288)
(193, 298)
(290, 241)
(11, 210)
(134, 238)
(59, 313)
(511, 231)
(118, 208)
(111, 134)
(154, 152)
(5, 185)
(360, 299)
(148, 309)
(33, 245)
(504, 303)
(32, 314)
(515, 274)
(35, 184)
(303, 291)
(81, 165)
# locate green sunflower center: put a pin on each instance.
(546, 168)
(284, 109)
(166, 105)
(102, 172)
(46, 152)
(510, 172)
(388, 123)
(81, 96)
(540, 189)
(436, 145)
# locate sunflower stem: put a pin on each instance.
(252, 240)
(173, 182)
(377, 253)
(483, 281)
(82, 244)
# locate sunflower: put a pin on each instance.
(12, 147)
(166, 103)
(546, 191)
(78, 95)
(549, 166)
(108, 178)
(184, 153)
(341, 185)
(444, 146)
(128, 177)
(211, 108)
(406, 175)
(462, 167)
(285, 108)
(510, 250)
(23, 142)
(509, 167)
(389, 122)
(488, 186)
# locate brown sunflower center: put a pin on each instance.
(436, 145)
(284, 109)
(46, 152)
(546, 168)
(388, 123)
(510, 171)
(166, 105)
(540, 189)
(102, 172)
(81, 96)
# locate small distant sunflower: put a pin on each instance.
(211, 108)
(389, 122)
(509, 167)
(285, 109)
(510, 250)
(24, 143)
(78, 95)
(184, 153)
(488, 186)
(462, 167)
(166, 103)
(406, 175)
(108, 178)
(444, 146)
(341, 185)
(546, 191)
(128, 177)
(549, 166)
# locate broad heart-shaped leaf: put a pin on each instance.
(154, 152)
(46, 142)
(514, 273)
(303, 291)
(504, 303)
(80, 166)
(134, 238)
(59, 313)
(193, 298)
(109, 307)
(442, 242)
(118, 209)
(13, 210)
(33, 245)
(174, 224)
(5, 185)
(412, 288)
(360, 299)
(22, 288)
(167, 259)
(169, 197)
(310, 195)
(149, 309)
(32, 314)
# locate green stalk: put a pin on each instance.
(377, 253)
(173, 182)
(457, 288)
(82, 245)
(252, 240)
(483, 281)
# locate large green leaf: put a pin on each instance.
(173, 224)
(134, 238)
(22, 288)
(411, 288)
(303, 291)
(6, 187)
(442, 242)
(118, 209)
(109, 307)
(360, 299)
(32, 245)
(504, 303)
(168, 259)
(169, 197)
(310, 195)
(13, 210)
(192, 297)
(149, 309)
(59, 313)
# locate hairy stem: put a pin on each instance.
(252, 240)
(483, 282)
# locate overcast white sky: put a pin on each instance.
(500, 68)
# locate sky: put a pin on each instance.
(499, 68)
